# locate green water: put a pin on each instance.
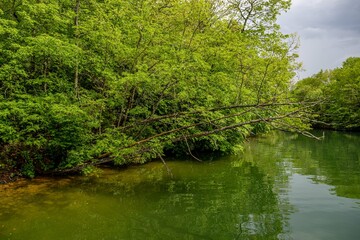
(284, 186)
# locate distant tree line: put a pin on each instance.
(339, 92)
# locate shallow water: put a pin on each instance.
(284, 186)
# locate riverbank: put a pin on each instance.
(7, 176)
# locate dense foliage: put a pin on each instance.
(339, 91)
(89, 81)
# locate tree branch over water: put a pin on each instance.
(278, 121)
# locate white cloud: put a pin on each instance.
(329, 31)
(314, 3)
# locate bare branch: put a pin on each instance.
(166, 166)
(274, 121)
(185, 114)
(187, 144)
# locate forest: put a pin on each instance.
(339, 92)
(88, 82)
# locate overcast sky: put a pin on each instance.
(329, 32)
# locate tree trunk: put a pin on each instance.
(76, 23)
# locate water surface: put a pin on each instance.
(284, 186)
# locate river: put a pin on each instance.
(283, 186)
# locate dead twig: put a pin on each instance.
(166, 166)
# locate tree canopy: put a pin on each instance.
(88, 81)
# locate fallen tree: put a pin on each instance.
(279, 121)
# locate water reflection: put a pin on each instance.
(213, 200)
(264, 193)
(334, 161)
(323, 182)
